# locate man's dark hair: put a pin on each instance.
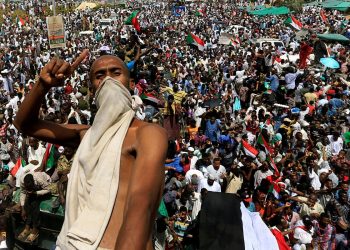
(324, 215)
(217, 159)
(276, 221)
(341, 192)
(29, 182)
(183, 209)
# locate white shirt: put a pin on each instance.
(36, 155)
(197, 204)
(301, 235)
(259, 176)
(322, 102)
(3, 245)
(194, 160)
(336, 146)
(213, 188)
(13, 103)
(216, 173)
(192, 172)
(199, 111)
(315, 180)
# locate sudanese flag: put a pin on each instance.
(133, 20)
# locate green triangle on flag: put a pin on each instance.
(132, 20)
(51, 161)
(195, 40)
(292, 21)
(162, 209)
(200, 13)
(133, 15)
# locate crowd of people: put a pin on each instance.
(269, 124)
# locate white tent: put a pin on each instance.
(85, 5)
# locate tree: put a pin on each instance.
(295, 5)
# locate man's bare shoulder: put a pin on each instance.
(150, 131)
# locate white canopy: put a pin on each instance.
(85, 5)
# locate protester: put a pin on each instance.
(267, 122)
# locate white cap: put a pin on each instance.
(211, 177)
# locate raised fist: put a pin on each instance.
(57, 70)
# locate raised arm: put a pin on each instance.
(27, 119)
(145, 188)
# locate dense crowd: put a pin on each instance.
(267, 123)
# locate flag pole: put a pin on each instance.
(54, 7)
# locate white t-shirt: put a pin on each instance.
(216, 173)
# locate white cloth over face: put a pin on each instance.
(94, 177)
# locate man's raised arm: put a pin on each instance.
(27, 121)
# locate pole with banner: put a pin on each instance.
(56, 34)
(54, 7)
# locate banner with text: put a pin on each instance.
(56, 34)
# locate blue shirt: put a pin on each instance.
(225, 139)
(290, 80)
(130, 65)
(175, 164)
(275, 82)
(212, 130)
(336, 102)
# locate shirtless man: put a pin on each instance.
(143, 151)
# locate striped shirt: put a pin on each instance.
(178, 96)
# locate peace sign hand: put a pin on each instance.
(57, 70)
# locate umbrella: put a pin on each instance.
(213, 103)
(329, 62)
(105, 48)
